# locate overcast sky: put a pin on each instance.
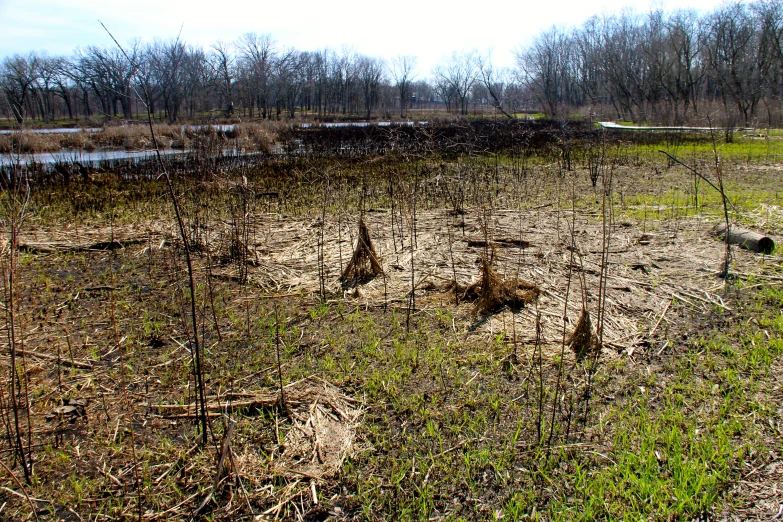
(428, 29)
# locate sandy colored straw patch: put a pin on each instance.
(323, 431)
(650, 265)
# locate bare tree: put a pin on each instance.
(110, 76)
(659, 66)
(223, 68)
(588, 62)
(770, 16)
(624, 66)
(370, 74)
(345, 76)
(290, 72)
(686, 74)
(545, 68)
(63, 82)
(738, 63)
(170, 64)
(494, 81)
(456, 75)
(402, 71)
(18, 76)
(257, 58)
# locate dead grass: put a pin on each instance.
(364, 264)
(28, 143)
(245, 137)
(582, 340)
(492, 294)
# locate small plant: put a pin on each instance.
(582, 341)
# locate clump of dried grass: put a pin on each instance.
(138, 136)
(6, 144)
(254, 137)
(75, 140)
(234, 250)
(324, 427)
(364, 264)
(582, 341)
(491, 293)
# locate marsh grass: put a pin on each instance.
(242, 137)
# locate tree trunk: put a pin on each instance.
(745, 238)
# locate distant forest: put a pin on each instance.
(724, 67)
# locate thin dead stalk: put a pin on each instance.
(24, 490)
(726, 202)
(17, 198)
(186, 246)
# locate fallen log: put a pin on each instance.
(100, 246)
(500, 242)
(745, 238)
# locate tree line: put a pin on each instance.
(664, 67)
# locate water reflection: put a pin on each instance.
(73, 156)
(52, 131)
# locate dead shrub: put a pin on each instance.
(31, 143)
(137, 136)
(234, 251)
(75, 140)
(253, 137)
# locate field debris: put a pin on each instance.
(364, 264)
(582, 340)
(324, 426)
(747, 239)
(55, 247)
(491, 293)
(234, 250)
(498, 242)
(472, 354)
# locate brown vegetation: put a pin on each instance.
(492, 294)
(364, 264)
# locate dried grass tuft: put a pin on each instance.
(364, 264)
(582, 341)
(234, 250)
(492, 294)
